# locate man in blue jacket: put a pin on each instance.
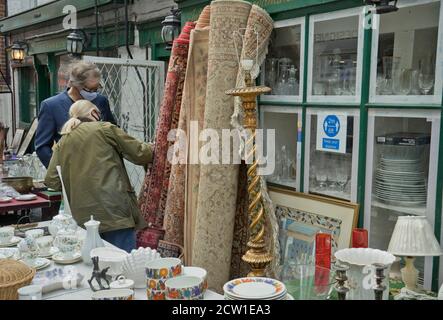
(84, 82)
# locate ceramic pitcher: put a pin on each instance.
(92, 241)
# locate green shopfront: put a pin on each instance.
(381, 75)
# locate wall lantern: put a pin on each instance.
(76, 41)
(171, 28)
(18, 51)
(383, 6)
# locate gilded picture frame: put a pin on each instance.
(302, 215)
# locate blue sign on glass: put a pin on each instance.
(333, 144)
(331, 125)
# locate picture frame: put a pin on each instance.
(16, 142)
(302, 215)
(27, 141)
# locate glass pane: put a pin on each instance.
(335, 56)
(63, 63)
(282, 72)
(400, 175)
(407, 49)
(330, 172)
(285, 125)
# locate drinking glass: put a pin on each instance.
(425, 82)
(359, 238)
(402, 81)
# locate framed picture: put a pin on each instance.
(16, 142)
(302, 215)
(28, 138)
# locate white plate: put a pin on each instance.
(254, 288)
(11, 243)
(5, 199)
(26, 197)
(8, 252)
(40, 263)
(418, 204)
(53, 251)
(57, 258)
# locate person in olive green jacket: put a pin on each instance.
(90, 154)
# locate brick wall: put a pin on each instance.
(2, 47)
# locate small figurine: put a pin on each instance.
(98, 276)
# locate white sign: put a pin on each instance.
(331, 133)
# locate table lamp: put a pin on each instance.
(413, 237)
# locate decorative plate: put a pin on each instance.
(26, 197)
(254, 288)
(13, 242)
(58, 258)
(5, 199)
(9, 252)
(53, 251)
(39, 263)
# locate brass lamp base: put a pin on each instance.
(258, 258)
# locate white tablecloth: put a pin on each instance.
(83, 292)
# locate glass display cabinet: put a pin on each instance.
(283, 68)
(401, 170)
(286, 121)
(335, 56)
(407, 51)
(331, 152)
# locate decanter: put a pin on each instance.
(92, 240)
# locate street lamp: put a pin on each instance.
(18, 52)
(383, 6)
(76, 42)
(171, 28)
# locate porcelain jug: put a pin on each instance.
(92, 241)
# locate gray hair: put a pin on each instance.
(81, 71)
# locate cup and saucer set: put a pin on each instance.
(7, 237)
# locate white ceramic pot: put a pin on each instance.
(361, 273)
(110, 257)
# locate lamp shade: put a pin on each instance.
(413, 237)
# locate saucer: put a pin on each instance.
(58, 258)
(26, 197)
(11, 243)
(53, 251)
(39, 263)
(5, 199)
(9, 253)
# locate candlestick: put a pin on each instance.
(341, 278)
(257, 256)
(379, 288)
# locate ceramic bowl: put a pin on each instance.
(156, 284)
(134, 265)
(164, 268)
(197, 272)
(6, 234)
(110, 257)
(113, 294)
(36, 233)
(184, 288)
(156, 294)
(361, 274)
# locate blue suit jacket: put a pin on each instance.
(54, 112)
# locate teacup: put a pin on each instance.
(113, 294)
(163, 268)
(28, 250)
(44, 244)
(35, 233)
(67, 242)
(6, 234)
(184, 288)
(197, 272)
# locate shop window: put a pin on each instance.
(27, 96)
(286, 121)
(400, 174)
(331, 153)
(407, 47)
(283, 68)
(335, 53)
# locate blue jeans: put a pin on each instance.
(124, 238)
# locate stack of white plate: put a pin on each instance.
(255, 288)
(400, 182)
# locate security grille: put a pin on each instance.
(134, 89)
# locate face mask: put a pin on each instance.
(88, 95)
